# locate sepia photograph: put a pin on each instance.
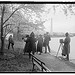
(37, 37)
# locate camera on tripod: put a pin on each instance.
(60, 46)
(61, 41)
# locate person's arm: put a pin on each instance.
(24, 39)
(49, 38)
(65, 41)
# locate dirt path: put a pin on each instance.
(56, 65)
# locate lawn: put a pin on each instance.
(15, 61)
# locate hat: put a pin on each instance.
(67, 34)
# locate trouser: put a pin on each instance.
(11, 45)
(46, 48)
(29, 55)
(67, 56)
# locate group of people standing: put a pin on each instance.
(35, 44)
(43, 41)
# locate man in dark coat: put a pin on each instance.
(46, 41)
(66, 47)
(11, 42)
(40, 44)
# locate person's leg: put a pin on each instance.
(33, 52)
(48, 47)
(45, 49)
(67, 57)
(9, 45)
(41, 49)
(12, 46)
(29, 55)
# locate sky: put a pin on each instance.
(60, 22)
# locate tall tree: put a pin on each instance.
(15, 9)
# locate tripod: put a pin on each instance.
(61, 45)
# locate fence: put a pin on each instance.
(41, 65)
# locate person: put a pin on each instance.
(40, 44)
(47, 38)
(32, 44)
(26, 45)
(11, 42)
(66, 47)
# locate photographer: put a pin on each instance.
(66, 47)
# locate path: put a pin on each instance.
(55, 64)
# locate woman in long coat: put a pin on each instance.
(66, 47)
(40, 44)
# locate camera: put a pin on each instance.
(61, 40)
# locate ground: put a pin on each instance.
(15, 61)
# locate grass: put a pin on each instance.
(15, 61)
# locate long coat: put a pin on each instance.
(31, 43)
(47, 38)
(26, 46)
(40, 44)
(66, 47)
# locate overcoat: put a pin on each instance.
(39, 44)
(66, 47)
(26, 48)
(47, 38)
(31, 45)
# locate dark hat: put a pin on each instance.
(27, 35)
(67, 34)
(32, 34)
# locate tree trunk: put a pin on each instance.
(2, 38)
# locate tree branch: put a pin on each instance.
(7, 25)
(7, 33)
(10, 16)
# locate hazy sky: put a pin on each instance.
(60, 22)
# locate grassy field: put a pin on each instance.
(15, 61)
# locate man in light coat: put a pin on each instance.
(66, 47)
